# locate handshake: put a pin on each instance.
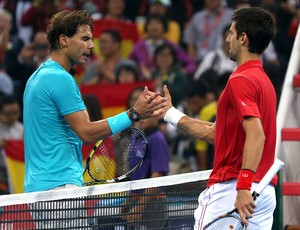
(152, 104)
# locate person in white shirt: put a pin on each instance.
(217, 60)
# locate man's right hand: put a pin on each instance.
(168, 102)
(150, 104)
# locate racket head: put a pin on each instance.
(117, 156)
(226, 222)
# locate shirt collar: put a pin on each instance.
(248, 64)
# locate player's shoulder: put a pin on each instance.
(239, 80)
(238, 76)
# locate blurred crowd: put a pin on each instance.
(178, 43)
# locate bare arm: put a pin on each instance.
(86, 130)
(199, 129)
(254, 143)
(148, 105)
(252, 154)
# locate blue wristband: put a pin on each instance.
(119, 122)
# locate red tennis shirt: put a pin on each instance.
(249, 92)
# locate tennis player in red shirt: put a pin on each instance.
(244, 134)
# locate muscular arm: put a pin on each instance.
(254, 143)
(148, 105)
(86, 130)
(252, 154)
(199, 129)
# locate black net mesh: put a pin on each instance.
(163, 207)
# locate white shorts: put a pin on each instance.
(219, 199)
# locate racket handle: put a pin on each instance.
(277, 165)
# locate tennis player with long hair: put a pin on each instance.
(244, 133)
(56, 121)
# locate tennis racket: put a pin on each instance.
(231, 220)
(117, 156)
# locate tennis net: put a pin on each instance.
(157, 203)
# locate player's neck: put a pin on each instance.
(247, 57)
(62, 60)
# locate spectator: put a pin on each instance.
(156, 164)
(161, 7)
(143, 51)
(10, 45)
(96, 8)
(167, 72)
(217, 60)
(17, 8)
(205, 150)
(157, 160)
(113, 19)
(126, 72)
(27, 61)
(209, 79)
(6, 84)
(180, 11)
(282, 13)
(10, 128)
(195, 99)
(38, 15)
(103, 71)
(36, 52)
(205, 27)
(115, 9)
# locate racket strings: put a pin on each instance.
(131, 153)
(102, 164)
(118, 155)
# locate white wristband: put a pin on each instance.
(173, 116)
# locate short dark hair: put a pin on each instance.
(163, 47)
(196, 88)
(7, 100)
(66, 22)
(115, 35)
(129, 68)
(159, 18)
(258, 24)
